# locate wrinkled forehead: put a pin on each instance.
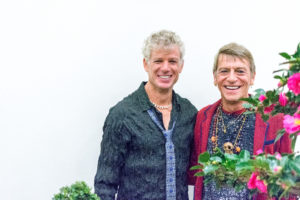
(233, 60)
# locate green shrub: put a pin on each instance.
(77, 191)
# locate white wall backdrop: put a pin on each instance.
(64, 63)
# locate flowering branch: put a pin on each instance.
(284, 99)
(274, 175)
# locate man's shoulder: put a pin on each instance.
(209, 108)
(124, 105)
(185, 103)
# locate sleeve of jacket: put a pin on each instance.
(284, 144)
(111, 159)
(195, 151)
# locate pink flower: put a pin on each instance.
(291, 123)
(259, 151)
(269, 109)
(294, 83)
(277, 169)
(283, 186)
(261, 186)
(278, 156)
(283, 100)
(279, 84)
(262, 98)
(254, 182)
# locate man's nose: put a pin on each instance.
(165, 65)
(232, 76)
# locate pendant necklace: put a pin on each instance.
(228, 147)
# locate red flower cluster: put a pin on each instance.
(255, 182)
(294, 83)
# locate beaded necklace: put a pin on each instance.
(161, 107)
(227, 146)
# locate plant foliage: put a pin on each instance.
(280, 173)
(272, 102)
(77, 191)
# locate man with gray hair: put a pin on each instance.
(145, 148)
(226, 125)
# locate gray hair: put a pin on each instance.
(162, 39)
(235, 50)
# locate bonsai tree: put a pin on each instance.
(77, 191)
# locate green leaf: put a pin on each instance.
(247, 105)
(244, 155)
(280, 133)
(249, 112)
(210, 168)
(265, 117)
(272, 164)
(204, 157)
(216, 159)
(243, 166)
(251, 101)
(270, 94)
(293, 138)
(297, 54)
(285, 55)
(295, 167)
(260, 91)
(231, 156)
(297, 100)
(284, 160)
(278, 77)
(77, 191)
(196, 167)
(199, 174)
(297, 159)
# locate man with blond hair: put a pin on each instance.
(147, 136)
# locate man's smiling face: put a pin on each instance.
(163, 68)
(233, 78)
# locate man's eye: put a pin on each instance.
(173, 61)
(240, 71)
(223, 71)
(157, 61)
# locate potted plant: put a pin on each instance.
(77, 191)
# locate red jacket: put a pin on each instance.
(264, 136)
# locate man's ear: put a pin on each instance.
(252, 78)
(181, 66)
(215, 79)
(145, 63)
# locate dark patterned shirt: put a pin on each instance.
(233, 123)
(132, 162)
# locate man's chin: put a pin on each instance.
(167, 86)
(231, 101)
